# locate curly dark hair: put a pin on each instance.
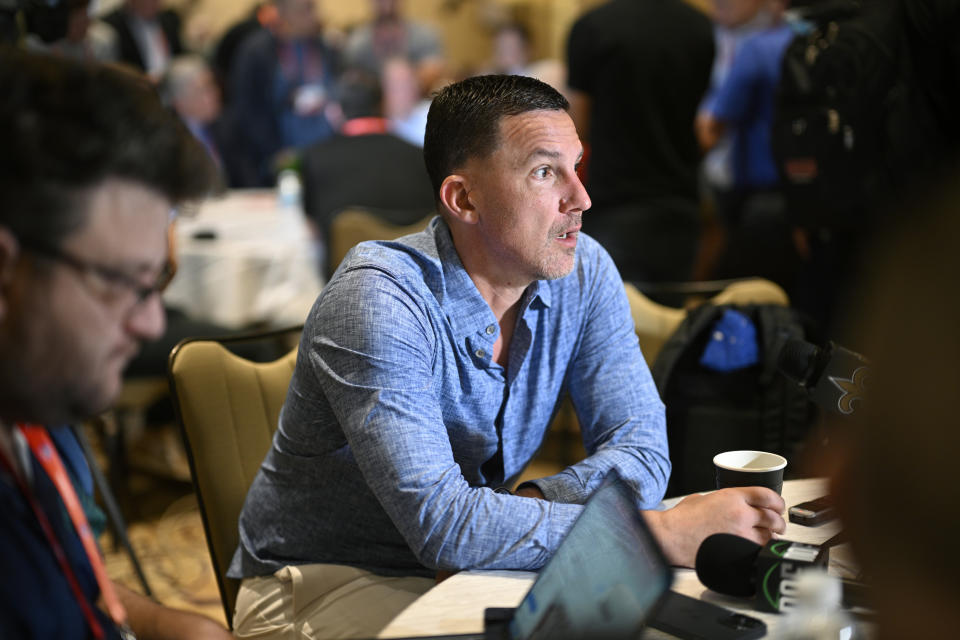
(67, 126)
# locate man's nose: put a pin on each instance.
(578, 199)
(147, 320)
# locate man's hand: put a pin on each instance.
(708, 131)
(754, 513)
(153, 621)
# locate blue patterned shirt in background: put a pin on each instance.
(398, 425)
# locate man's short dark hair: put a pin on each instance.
(360, 94)
(464, 118)
(67, 126)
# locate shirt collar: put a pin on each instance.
(468, 312)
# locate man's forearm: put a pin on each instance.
(622, 420)
(152, 621)
(645, 468)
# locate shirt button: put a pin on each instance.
(480, 353)
(491, 330)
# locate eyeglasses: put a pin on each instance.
(113, 282)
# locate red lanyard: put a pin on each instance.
(42, 447)
(364, 126)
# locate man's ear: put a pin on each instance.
(9, 254)
(455, 198)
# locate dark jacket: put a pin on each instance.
(127, 48)
(376, 171)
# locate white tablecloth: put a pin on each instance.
(243, 260)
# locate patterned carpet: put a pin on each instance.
(164, 526)
(173, 553)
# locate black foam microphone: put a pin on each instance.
(835, 378)
(735, 566)
(739, 567)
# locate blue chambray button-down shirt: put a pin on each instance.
(398, 425)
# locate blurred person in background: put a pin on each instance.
(148, 36)
(280, 91)
(511, 50)
(389, 35)
(512, 55)
(262, 16)
(733, 21)
(894, 478)
(637, 71)
(403, 104)
(399, 189)
(191, 90)
(751, 207)
(67, 29)
(188, 86)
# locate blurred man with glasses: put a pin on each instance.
(92, 166)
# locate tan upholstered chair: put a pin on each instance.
(752, 291)
(655, 323)
(352, 226)
(228, 408)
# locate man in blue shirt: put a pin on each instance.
(428, 372)
(745, 105)
(752, 208)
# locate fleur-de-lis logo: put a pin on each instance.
(852, 389)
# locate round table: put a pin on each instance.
(243, 260)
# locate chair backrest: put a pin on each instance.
(655, 323)
(752, 291)
(352, 226)
(228, 409)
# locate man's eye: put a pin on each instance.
(542, 172)
(117, 279)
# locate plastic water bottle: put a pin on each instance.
(289, 203)
(816, 612)
(292, 218)
(289, 190)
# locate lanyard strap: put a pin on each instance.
(58, 551)
(42, 447)
(364, 126)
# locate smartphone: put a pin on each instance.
(813, 512)
(692, 619)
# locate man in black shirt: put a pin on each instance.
(364, 164)
(638, 70)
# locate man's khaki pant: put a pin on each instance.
(322, 601)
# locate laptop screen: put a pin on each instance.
(604, 579)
